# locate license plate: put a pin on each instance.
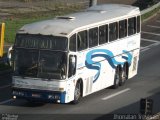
(35, 95)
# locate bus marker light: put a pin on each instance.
(61, 89)
(14, 97)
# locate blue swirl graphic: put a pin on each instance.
(107, 55)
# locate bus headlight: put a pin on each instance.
(14, 97)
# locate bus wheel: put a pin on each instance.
(77, 93)
(116, 79)
(123, 76)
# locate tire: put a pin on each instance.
(123, 76)
(77, 93)
(116, 79)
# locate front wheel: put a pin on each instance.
(77, 93)
(116, 79)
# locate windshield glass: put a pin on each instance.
(52, 65)
(41, 42)
(26, 62)
(40, 63)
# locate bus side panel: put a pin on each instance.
(100, 75)
(134, 46)
(96, 66)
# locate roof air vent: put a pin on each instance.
(98, 11)
(65, 18)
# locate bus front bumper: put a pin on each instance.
(39, 95)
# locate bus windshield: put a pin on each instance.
(33, 60)
(40, 63)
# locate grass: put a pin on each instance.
(13, 25)
(16, 22)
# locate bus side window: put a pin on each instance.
(131, 26)
(138, 24)
(72, 43)
(103, 34)
(122, 28)
(113, 31)
(82, 42)
(93, 37)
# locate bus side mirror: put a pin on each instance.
(10, 55)
(72, 65)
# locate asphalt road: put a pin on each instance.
(107, 103)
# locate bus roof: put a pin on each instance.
(66, 25)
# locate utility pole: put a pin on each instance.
(92, 3)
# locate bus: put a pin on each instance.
(69, 57)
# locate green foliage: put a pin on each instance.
(12, 26)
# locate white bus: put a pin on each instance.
(69, 57)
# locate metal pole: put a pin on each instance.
(92, 3)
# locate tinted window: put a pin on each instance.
(72, 43)
(138, 24)
(132, 26)
(113, 31)
(103, 34)
(82, 42)
(122, 28)
(93, 37)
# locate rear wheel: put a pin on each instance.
(116, 79)
(77, 93)
(123, 76)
